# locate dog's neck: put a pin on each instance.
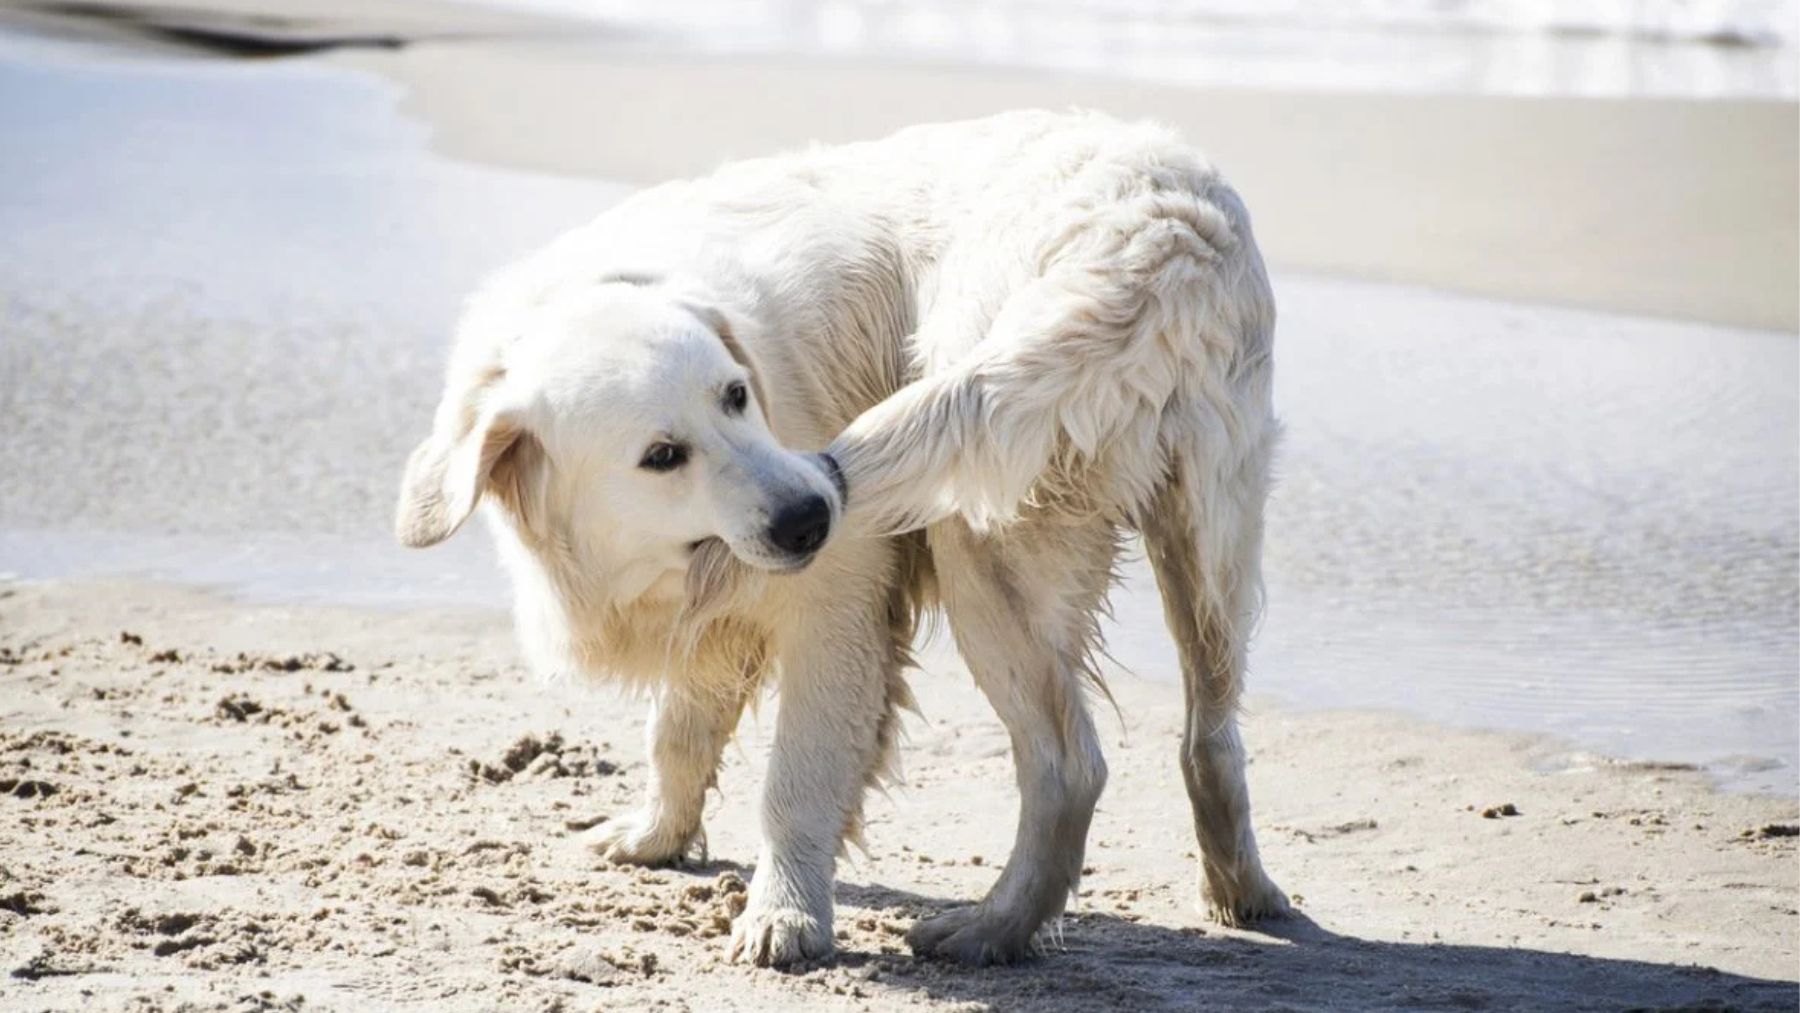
(636, 621)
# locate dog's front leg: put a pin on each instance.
(687, 731)
(834, 704)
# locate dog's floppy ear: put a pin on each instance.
(446, 475)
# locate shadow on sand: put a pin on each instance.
(1107, 962)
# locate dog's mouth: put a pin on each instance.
(794, 565)
(774, 563)
(778, 563)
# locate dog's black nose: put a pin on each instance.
(801, 526)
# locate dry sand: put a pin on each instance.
(216, 806)
(1563, 201)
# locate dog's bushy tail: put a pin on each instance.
(1143, 302)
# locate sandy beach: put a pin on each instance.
(217, 806)
(254, 756)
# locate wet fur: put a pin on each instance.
(1021, 339)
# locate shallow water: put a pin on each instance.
(226, 292)
(1534, 519)
(1691, 49)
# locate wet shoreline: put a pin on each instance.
(228, 298)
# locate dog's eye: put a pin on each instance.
(664, 457)
(736, 397)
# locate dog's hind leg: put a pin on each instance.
(1203, 534)
(1022, 606)
(684, 737)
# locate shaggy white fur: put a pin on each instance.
(1015, 340)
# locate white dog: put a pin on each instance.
(1014, 340)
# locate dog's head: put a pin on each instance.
(621, 429)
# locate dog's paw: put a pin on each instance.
(776, 936)
(640, 839)
(975, 935)
(1237, 907)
